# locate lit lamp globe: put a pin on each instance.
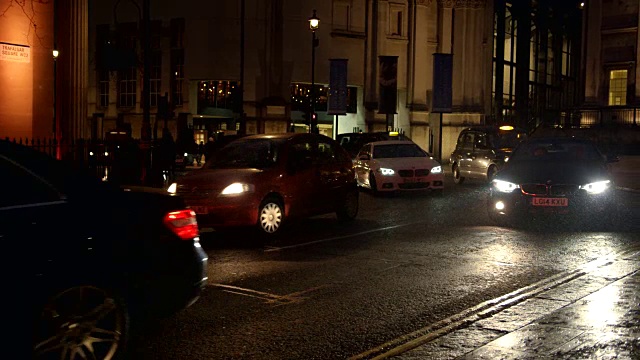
(314, 22)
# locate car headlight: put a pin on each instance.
(237, 188)
(597, 187)
(436, 169)
(172, 188)
(504, 186)
(386, 171)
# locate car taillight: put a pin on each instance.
(183, 223)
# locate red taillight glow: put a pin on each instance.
(183, 223)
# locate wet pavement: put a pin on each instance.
(592, 314)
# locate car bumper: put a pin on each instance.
(226, 212)
(398, 183)
(174, 280)
(518, 205)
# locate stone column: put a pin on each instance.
(73, 68)
(592, 44)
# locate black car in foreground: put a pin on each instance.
(554, 177)
(89, 259)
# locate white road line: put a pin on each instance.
(273, 248)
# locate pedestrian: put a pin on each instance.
(200, 152)
(209, 149)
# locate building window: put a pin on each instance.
(301, 98)
(155, 78)
(396, 19)
(127, 87)
(103, 88)
(217, 94)
(177, 76)
(341, 15)
(618, 87)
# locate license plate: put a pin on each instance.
(550, 201)
(200, 209)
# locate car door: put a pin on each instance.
(465, 155)
(302, 183)
(361, 165)
(331, 173)
(481, 155)
(34, 228)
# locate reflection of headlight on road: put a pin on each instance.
(436, 169)
(237, 188)
(172, 188)
(386, 171)
(596, 187)
(504, 186)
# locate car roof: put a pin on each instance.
(391, 142)
(281, 136)
(558, 139)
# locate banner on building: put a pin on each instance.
(15, 52)
(388, 80)
(441, 101)
(337, 103)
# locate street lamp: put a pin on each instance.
(314, 23)
(55, 54)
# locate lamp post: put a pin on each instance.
(54, 128)
(314, 23)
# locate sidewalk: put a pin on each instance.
(592, 312)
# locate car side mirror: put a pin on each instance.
(364, 157)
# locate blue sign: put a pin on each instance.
(441, 101)
(337, 103)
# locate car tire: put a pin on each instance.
(491, 173)
(456, 175)
(270, 216)
(372, 183)
(348, 209)
(88, 318)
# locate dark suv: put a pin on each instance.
(481, 151)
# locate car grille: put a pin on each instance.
(556, 189)
(412, 173)
(192, 194)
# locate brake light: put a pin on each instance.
(183, 223)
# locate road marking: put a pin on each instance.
(488, 308)
(274, 248)
(485, 309)
(269, 298)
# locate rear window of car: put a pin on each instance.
(247, 153)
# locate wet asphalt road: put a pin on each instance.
(329, 291)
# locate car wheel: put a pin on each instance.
(86, 321)
(372, 183)
(270, 215)
(491, 173)
(456, 175)
(348, 210)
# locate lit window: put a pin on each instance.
(617, 87)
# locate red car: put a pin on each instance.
(265, 180)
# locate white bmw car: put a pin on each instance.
(397, 165)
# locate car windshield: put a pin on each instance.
(247, 153)
(545, 151)
(507, 139)
(398, 151)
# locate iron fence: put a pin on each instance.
(120, 162)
